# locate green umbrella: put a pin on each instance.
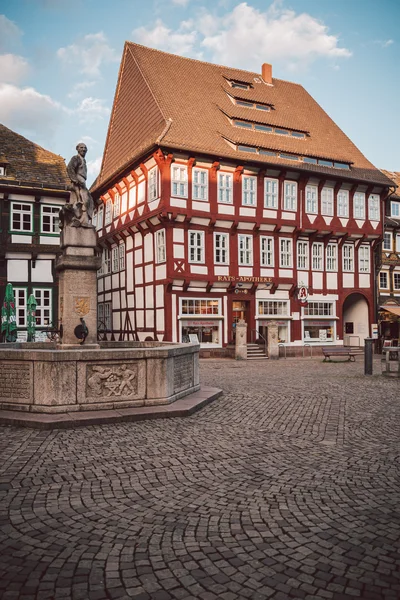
(31, 306)
(8, 316)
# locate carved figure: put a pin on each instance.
(95, 381)
(80, 207)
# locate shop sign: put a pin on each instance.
(244, 279)
(302, 293)
(374, 331)
(199, 322)
(263, 323)
(326, 323)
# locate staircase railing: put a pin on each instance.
(260, 335)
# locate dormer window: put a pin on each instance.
(252, 105)
(241, 86)
(2, 171)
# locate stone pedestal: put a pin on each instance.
(77, 268)
(241, 341)
(273, 340)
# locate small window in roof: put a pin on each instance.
(298, 134)
(242, 86)
(267, 152)
(243, 124)
(289, 156)
(243, 103)
(325, 163)
(263, 107)
(308, 159)
(247, 149)
(281, 131)
(341, 165)
(262, 128)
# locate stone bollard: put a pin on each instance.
(273, 340)
(241, 341)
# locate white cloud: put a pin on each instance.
(93, 167)
(248, 37)
(80, 88)
(29, 112)
(384, 43)
(89, 54)
(13, 68)
(92, 109)
(10, 33)
(180, 2)
(163, 38)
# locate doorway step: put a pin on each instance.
(256, 352)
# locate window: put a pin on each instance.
(318, 257)
(100, 218)
(249, 184)
(108, 213)
(43, 314)
(383, 280)
(105, 262)
(343, 203)
(363, 259)
(153, 184)
(221, 248)
(104, 316)
(373, 207)
(245, 124)
(348, 258)
(252, 105)
(331, 257)
(94, 219)
(196, 246)
(225, 189)
(202, 306)
(200, 184)
(320, 309)
(245, 249)
(122, 256)
(359, 205)
(290, 199)
(241, 86)
(396, 281)
(2, 171)
(20, 306)
(398, 242)
(387, 241)
(161, 255)
(273, 307)
(21, 217)
(270, 192)
(117, 204)
(327, 201)
(49, 216)
(395, 209)
(115, 259)
(179, 186)
(302, 255)
(267, 251)
(285, 255)
(312, 199)
(309, 160)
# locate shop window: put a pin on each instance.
(207, 332)
(191, 306)
(318, 331)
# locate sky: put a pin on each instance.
(59, 61)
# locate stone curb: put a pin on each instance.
(183, 407)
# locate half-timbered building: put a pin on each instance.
(33, 187)
(227, 195)
(389, 274)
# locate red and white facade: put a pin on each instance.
(191, 244)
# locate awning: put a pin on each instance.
(391, 308)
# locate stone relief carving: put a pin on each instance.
(117, 380)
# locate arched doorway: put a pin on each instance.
(355, 320)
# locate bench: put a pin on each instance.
(351, 353)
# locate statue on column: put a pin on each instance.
(79, 210)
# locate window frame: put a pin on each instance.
(396, 274)
(359, 206)
(343, 201)
(43, 308)
(181, 183)
(198, 246)
(303, 255)
(100, 217)
(116, 205)
(290, 200)
(390, 234)
(122, 253)
(53, 217)
(201, 185)
(108, 213)
(386, 274)
(252, 193)
(152, 184)
(22, 307)
(331, 262)
(317, 257)
(115, 259)
(223, 250)
(365, 260)
(327, 201)
(397, 204)
(223, 188)
(21, 212)
(312, 201)
(161, 250)
(267, 258)
(271, 194)
(350, 264)
(245, 247)
(374, 210)
(282, 308)
(285, 263)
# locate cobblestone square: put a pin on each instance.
(285, 487)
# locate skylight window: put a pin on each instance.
(262, 128)
(266, 128)
(255, 105)
(245, 124)
(247, 149)
(282, 131)
(311, 161)
(240, 85)
(243, 103)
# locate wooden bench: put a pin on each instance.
(351, 353)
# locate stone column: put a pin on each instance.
(273, 348)
(241, 341)
(77, 268)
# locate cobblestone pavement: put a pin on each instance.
(286, 487)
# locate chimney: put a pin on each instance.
(266, 73)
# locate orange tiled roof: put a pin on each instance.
(395, 177)
(29, 163)
(155, 87)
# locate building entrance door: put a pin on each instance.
(240, 310)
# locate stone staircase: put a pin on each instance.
(256, 352)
